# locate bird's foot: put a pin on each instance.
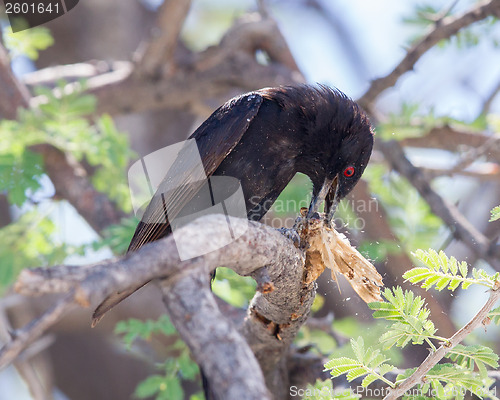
(291, 234)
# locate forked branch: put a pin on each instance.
(267, 332)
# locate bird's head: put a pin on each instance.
(346, 155)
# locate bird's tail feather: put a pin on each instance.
(111, 301)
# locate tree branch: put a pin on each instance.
(434, 357)
(454, 139)
(223, 354)
(213, 73)
(72, 184)
(272, 321)
(70, 72)
(26, 369)
(23, 337)
(68, 176)
(444, 29)
(13, 94)
(462, 229)
(158, 54)
(490, 99)
(377, 227)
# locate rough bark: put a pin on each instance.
(224, 352)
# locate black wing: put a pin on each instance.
(215, 139)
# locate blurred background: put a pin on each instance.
(445, 113)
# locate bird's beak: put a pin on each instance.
(328, 185)
(335, 201)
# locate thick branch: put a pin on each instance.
(71, 183)
(223, 354)
(436, 356)
(252, 33)
(213, 73)
(13, 95)
(272, 321)
(451, 216)
(443, 29)
(165, 34)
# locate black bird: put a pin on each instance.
(263, 139)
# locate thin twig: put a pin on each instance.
(434, 357)
(484, 172)
(68, 72)
(446, 11)
(489, 101)
(455, 139)
(451, 216)
(447, 27)
(25, 369)
(472, 155)
(25, 336)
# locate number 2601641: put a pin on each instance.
(31, 8)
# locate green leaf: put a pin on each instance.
(495, 315)
(356, 373)
(20, 175)
(404, 307)
(458, 378)
(440, 272)
(404, 375)
(454, 283)
(28, 42)
(30, 242)
(358, 346)
(495, 214)
(188, 368)
(384, 310)
(149, 387)
(470, 356)
(117, 237)
(341, 365)
(464, 269)
(62, 121)
(171, 389)
(400, 334)
(369, 362)
(134, 329)
(369, 379)
(385, 368)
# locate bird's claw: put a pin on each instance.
(291, 234)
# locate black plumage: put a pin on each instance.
(264, 138)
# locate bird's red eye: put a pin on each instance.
(349, 171)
